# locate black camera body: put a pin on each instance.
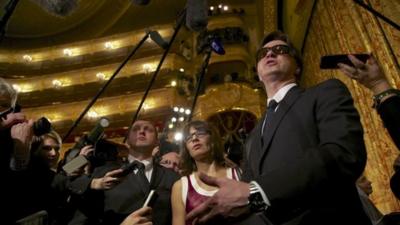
(40, 127)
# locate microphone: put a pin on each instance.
(156, 37)
(59, 8)
(196, 15)
(213, 42)
(140, 2)
(217, 46)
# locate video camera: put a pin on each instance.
(73, 160)
(40, 127)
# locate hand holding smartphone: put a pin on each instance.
(331, 61)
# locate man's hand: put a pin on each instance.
(170, 160)
(141, 216)
(109, 180)
(22, 134)
(230, 201)
(368, 74)
(11, 119)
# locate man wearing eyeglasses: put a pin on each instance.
(302, 158)
(16, 131)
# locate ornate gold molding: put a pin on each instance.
(230, 96)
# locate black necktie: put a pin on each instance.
(141, 174)
(270, 111)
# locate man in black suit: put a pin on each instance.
(303, 157)
(113, 205)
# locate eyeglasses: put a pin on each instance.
(199, 134)
(277, 49)
(4, 113)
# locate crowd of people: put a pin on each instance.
(303, 162)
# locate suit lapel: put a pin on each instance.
(254, 150)
(275, 120)
(156, 176)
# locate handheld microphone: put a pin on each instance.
(196, 15)
(140, 2)
(213, 42)
(156, 37)
(217, 46)
(59, 8)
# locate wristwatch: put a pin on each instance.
(256, 201)
(378, 98)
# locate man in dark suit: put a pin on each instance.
(303, 157)
(112, 206)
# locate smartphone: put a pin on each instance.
(331, 61)
(151, 198)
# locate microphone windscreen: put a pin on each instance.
(196, 15)
(140, 2)
(156, 37)
(57, 7)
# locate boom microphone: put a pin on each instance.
(156, 37)
(57, 7)
(196, 15)
(140, 2)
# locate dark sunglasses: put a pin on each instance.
(277, 49)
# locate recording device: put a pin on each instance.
(196, 15)
(211, 41)
(331, 61)
(127, 168)
(58, 7)
(40, 126)
(72, 161)
(151, 198)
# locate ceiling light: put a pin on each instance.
(176, 109)
(226, 8)
(211, 8)
(27, 58)
(181, 110)
(101, 76)
(181, 118)
(220, 6)
(147, 68)
(181, 70)
(173, 119)
(109, 45)
(187, 111)
(170, 126)
(56, 83)
(67, 52)
(93, 114)
(173, 83)
(178, 136)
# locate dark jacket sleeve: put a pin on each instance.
(389, 111)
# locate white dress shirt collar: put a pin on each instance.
(281, 93)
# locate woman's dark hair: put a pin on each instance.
(187, 163)
(279, 35)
